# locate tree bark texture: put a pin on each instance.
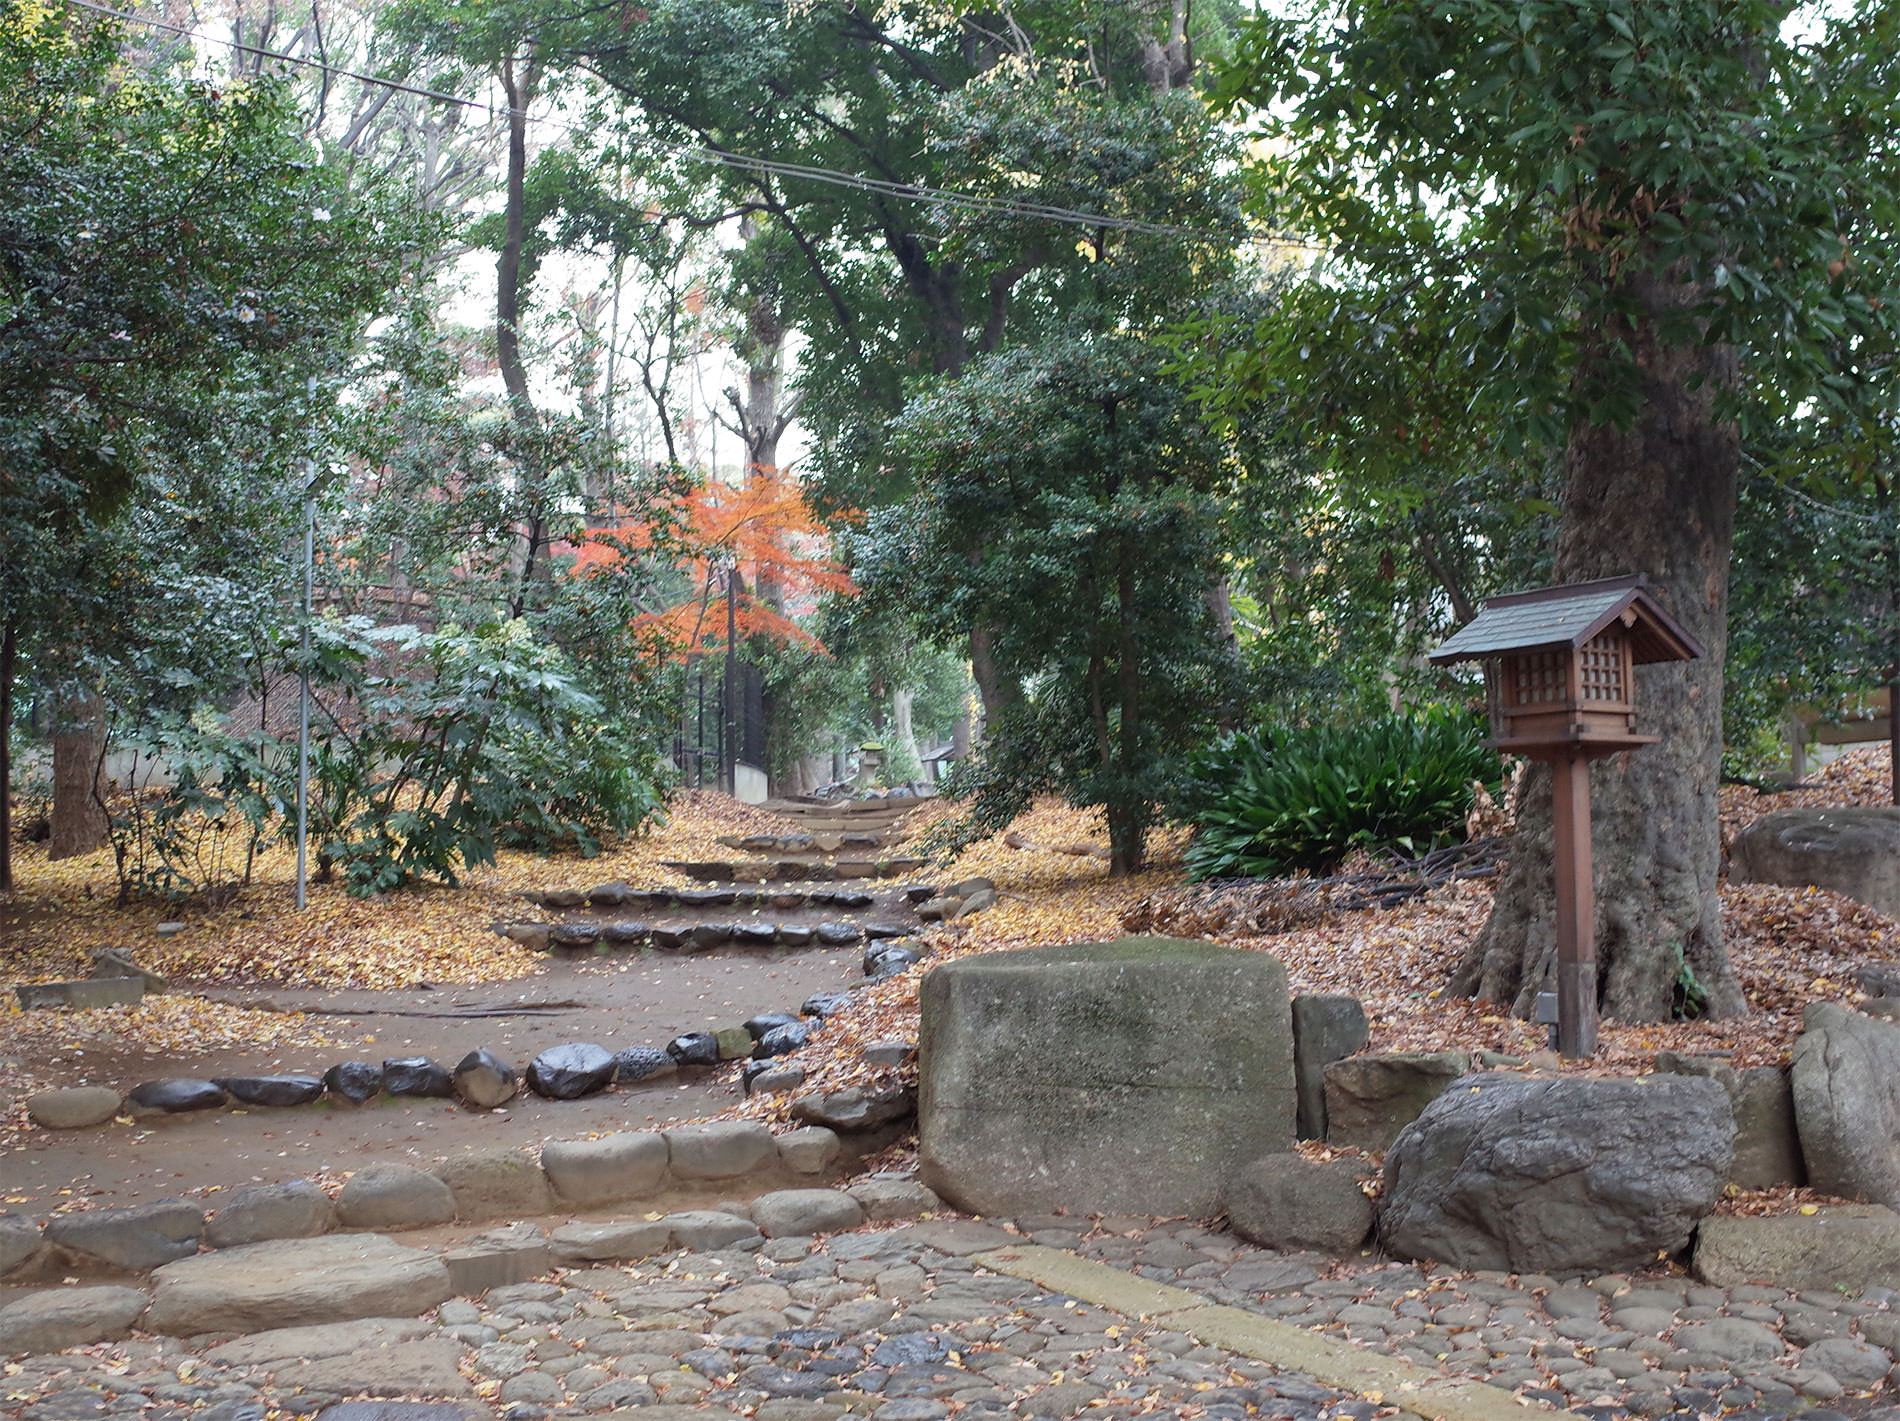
(903, 736)
(1656, 498)
(9, 648)
(79, 813)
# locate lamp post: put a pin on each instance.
(303, 683)
(1559, 665)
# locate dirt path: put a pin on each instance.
(623, 1001)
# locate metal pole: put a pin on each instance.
(728, 734)
(303, 690)
(1576, 907)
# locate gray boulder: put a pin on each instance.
(1858, 1365)
(394, 1196)
(1850, 1247)
(77, 1108)
(855, 1109)
(175, 1095)
(629, 1165)
(496, 1184)
(570, 1071)
(809, 1150)
(788, 1213)
(59, 1318)
(1369, 1099)
(295, 1283)
(1767, 1149)
(1284, 1201)
(1852, 851)
(136, 1238)
(1119, 1077)
(893, 1196)
(264, 1211)
(484, 1080)
(723, 1149)
(20, 1243)
(1846, 1080)
(643, 1063)
(1557, 1174)
(1326, 1028)
(278, 1092)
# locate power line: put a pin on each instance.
(943, 197)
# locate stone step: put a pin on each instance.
(820, 839)
(842, 808)
(606, 896)
(629, 936)
(795, 870)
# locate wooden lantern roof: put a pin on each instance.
(1564, 618)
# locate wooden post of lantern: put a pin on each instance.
(1559, 668)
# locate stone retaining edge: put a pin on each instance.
(710, 1161)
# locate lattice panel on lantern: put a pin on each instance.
(1538, 679)
(1601, 662)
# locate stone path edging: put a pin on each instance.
(1394, 1380)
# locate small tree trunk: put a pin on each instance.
(903, 738)
(79, 816)
(1657, 498)
(9, 647)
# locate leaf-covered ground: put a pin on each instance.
(1789, 946)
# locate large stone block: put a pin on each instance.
(1542, 1174)
(394, 1196)
(1284, 1201)
(1855, 851)
(1846, 1080)
(496, 1184)
(722, 1149)
(136, 1238)
(266, 1285)
(1116, 1077)
(20, 1243)
(1767, 1149)
(58, 1318)
(1851, 1247)
(1326, 1028)
(513, 1253)
(628, 1165)
(264, 1211)
(1369, 1099)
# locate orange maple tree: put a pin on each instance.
(764, 530)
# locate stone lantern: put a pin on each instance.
(1559, 665)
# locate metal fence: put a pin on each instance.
(717, 732)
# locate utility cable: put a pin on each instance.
(943, 197)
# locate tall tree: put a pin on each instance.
(1074, 106)
(1600, 227)
(168, 258)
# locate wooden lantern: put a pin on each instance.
(1559, 676)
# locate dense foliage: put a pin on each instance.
(1282, 799)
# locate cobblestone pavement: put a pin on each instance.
(898, 1324)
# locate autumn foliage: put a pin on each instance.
(762, 528)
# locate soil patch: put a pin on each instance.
(624, 1001)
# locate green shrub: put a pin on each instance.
(1274, 801)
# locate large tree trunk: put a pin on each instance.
(1657, 498)
(79, 748)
